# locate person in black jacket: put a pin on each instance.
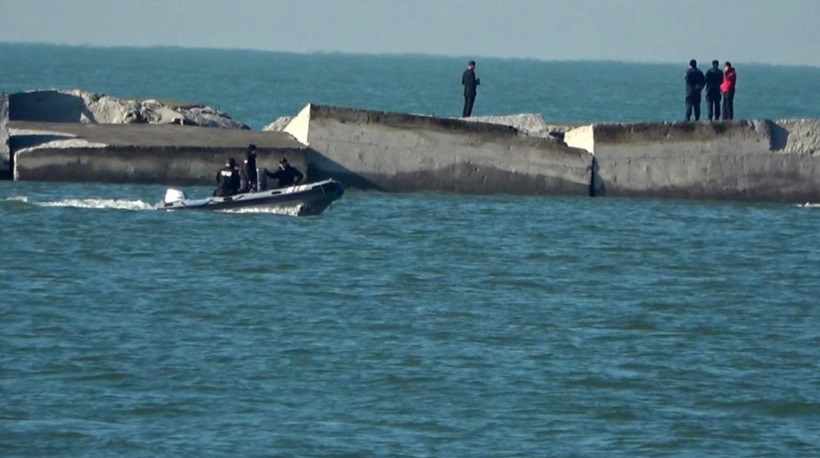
(227, 179)
(694, 84)
(248, 173)
(714, 78)
(470, 83)
(287, 175)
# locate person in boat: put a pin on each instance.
(227, 179)
(248, 172)
(287, 175)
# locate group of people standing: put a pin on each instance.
(235, 180)
(719, 85)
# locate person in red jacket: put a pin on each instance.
(727, 89)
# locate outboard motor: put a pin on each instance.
(174, 195)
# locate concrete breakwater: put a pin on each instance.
(139, 153)
(748, 160)
(400, 152)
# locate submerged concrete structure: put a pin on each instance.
(5, 157)
(747, 160)
(140, 153)
(401, 153)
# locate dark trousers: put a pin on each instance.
(469, 100)
(729, 105)
(693, 104)
(713, 101)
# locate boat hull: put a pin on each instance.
(306, 199)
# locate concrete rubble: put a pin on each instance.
(85, 107)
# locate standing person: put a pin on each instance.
(727, 88)
(227, 179)
(249, 178)
(470, 83)
(694, 84)
(714, 79)
(287, 175)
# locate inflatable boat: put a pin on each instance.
(305, 199)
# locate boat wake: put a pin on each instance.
(287, 211)
(116, 204)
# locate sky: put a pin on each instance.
(765, 31)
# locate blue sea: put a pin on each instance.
(405, 324)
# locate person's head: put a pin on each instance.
(283, 163)
(471, 64)
(252, 149)
(231, 163)
(693, 63)
(715, 64)
(727, 65)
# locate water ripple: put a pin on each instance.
(410, 325)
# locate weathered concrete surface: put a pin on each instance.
(532, 124)
(796, 136)
(78, 106)
(140, 153)
(581, 137)
(279, 124)
(747, 160)
(5, 157)
(403, 153)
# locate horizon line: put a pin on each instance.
(392, 54)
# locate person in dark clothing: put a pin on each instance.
(470, 83)
(248, 173)
(694, 84)
(287, 175)
(727, 88)
(227, 179)
(714, 78)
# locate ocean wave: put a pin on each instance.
(117, 204)
(809, 205)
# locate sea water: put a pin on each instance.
(405, 324)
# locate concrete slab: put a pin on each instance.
(140, 153)
(401, 153)
(163, 135)
(746, 160)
